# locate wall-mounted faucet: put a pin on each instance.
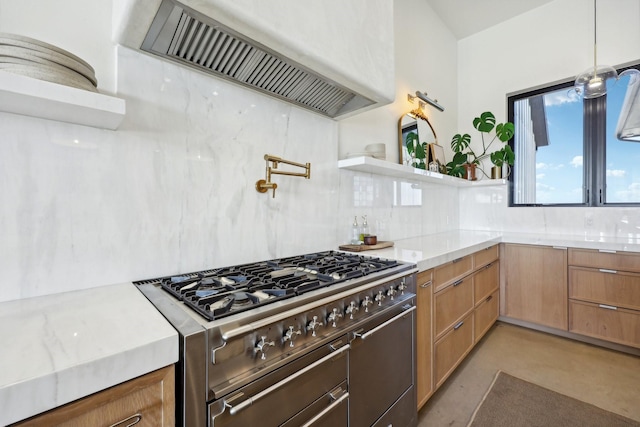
(264, 185)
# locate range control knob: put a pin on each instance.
(290, 335)
(392, 292)
(334, 316)
(380, 296)
(313, 325)
(261, 347)
(353, 306)
(366, 302)
(402, 286)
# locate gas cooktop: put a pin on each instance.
(224, 291)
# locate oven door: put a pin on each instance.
(381, 372)
(310, 391)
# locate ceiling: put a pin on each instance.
(467, 17)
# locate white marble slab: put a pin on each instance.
(435, 249)
(59, 348)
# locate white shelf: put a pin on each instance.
(42, 99)
(382, 167)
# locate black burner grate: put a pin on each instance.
(221, 292)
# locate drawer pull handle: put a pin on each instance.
(608, 307)
(458, 325)
(457, 260)
(562, 248)
(604, 270)
(424, 285)
(131, 421)
(606, 251)
(489, 298)
(458, 282)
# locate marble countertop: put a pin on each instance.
(62, 347)
(434, 249)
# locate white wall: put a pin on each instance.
(550, 43)
(172, 190)
(425, 60)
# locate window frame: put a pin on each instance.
(594, 153)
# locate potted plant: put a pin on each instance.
(465, 161)
(504, 156)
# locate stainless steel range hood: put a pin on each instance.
(184, 35)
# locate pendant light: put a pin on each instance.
(592, 82)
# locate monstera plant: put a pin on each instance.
(466, 159)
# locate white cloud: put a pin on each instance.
(618, 173)
(576, 162)
(561, 97)
(541, 165)
(540, 176)
(631, 194)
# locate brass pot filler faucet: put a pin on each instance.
(263, 185)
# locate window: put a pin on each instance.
(567, 150)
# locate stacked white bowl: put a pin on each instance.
(39, 60)
(376, 150)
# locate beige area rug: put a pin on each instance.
(512, 402)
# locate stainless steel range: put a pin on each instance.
(322, 339)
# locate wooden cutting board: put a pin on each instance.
(360, 248)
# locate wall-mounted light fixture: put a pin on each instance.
(264, 185)
(425, 98)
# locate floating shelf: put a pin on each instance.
(382, 167)
(42, 99)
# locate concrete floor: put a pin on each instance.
(602, 377)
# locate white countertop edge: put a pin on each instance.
(431, 250)
(56, 359)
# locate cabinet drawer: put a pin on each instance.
(617, 325)
(485, 256)
(452, 303)
(150, 397)
(625, 261)
(485, 282)
(451, 271)
(620, 289)
(452, 348)
(485, 315)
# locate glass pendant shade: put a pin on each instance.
(592, 82)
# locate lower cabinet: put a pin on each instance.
(457, 304)
(424, 337)
(604, 295)
(535, 280)
(451, 349)
(147, 401)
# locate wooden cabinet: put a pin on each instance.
(424, 337)
(486, 298)
(604, 295)
(149, 400)
(465, 306)
(446, 274)
(452, 348)
(535, 284)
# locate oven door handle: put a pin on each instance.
(384, 325)
(246, 403)
(326, 410)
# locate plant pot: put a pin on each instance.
(496, 172)
(469, 171)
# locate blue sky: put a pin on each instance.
(559, 166)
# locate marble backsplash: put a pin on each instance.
(172, 190)
(486, 208)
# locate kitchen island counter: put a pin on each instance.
(62, 347)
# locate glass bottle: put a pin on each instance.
(355, 231)
(364, 231)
